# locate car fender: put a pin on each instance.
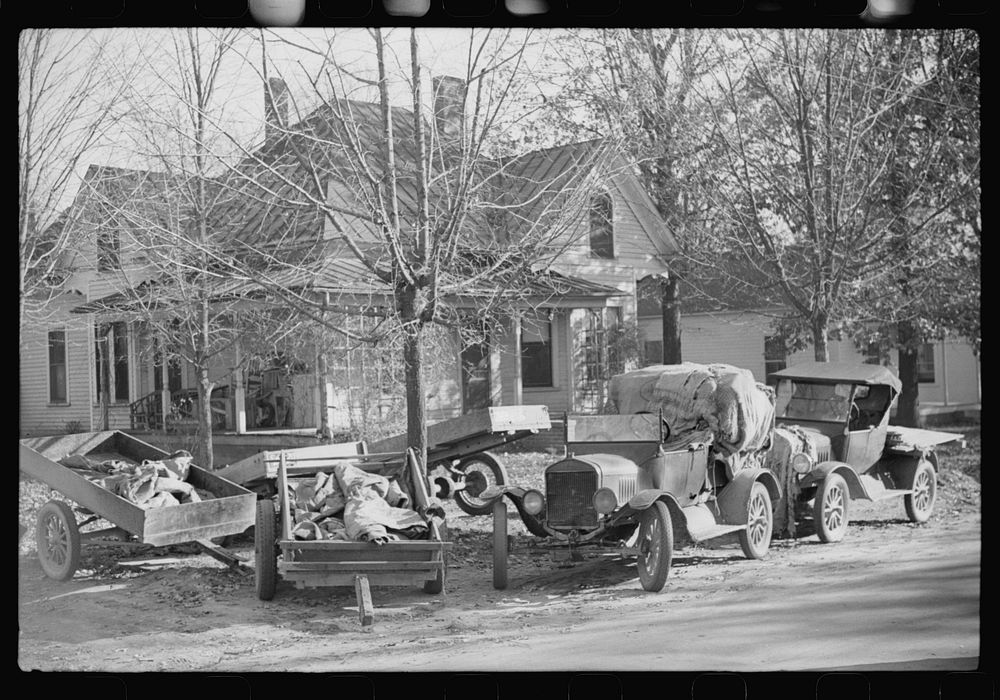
(903, 468)
(644, 500)
(821, 470)
(734, 499)
(515, 494)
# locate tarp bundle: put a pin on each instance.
(152, 484)
(727, 400)
(352, 504)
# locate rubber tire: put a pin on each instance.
(70, 546)
(655, 524)
(499, 544)
(265, 551)
(477, 507)
(832, 484)
(915, 513)
(436, 584)
(760, 500)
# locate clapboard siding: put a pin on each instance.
(738, 339)
(37, 416)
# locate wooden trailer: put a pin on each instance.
(58, 534)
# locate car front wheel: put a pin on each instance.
(756, 539)
(830, 508)
(920, 503)
(656, 546)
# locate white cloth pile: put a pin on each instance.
(351, 504)
(727, 400)
(152, 484)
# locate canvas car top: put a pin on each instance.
(857, 373)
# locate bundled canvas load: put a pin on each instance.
(353, 505)
(720, 398)
(152, 484)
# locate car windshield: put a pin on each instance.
(807, 401)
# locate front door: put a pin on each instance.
(475, 377)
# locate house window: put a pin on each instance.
(602, 242)
(925, 363)
(113, 338)
(873, 354)
(652, 351)
(57, 366)
(775, 356)
(536, 351)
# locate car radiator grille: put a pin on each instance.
(570, 497)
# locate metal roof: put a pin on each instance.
(857, 373)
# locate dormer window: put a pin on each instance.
(602, 238)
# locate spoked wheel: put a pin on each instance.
(830, 509)
(920, 503)
(756, 539)
(656, 546)
(481, 470)
(265, 551)
(57, 538)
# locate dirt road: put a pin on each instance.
(891, 593)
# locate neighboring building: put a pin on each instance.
(717, 330)
(556, 352)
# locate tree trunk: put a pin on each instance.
(671, 312)
(416, 419)
(322, 371)
(908, 409)
(820, 347)
(204, 448)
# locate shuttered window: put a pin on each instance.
(57, 367)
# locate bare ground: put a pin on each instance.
(892, 594)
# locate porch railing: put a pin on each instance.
(147, 412)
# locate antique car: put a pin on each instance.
(627, 482)
(836, 415)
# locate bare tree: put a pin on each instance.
(807, 128)
(424, 222)
(65, 105)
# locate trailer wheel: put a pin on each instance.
(481, 471)
(756, 539)
(436, 584)
(656, 546)
(265, 551)
(500, 544)
(57, 538)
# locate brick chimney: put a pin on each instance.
(449, 106)
(275, 107)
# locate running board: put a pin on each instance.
(891, 493)
(701, 524)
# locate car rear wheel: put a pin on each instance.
(656, 546)
(481, 471)
(756, 539)
(830, 509)
(920, 503)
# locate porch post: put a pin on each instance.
(164, 382)
(518, 389)
(944, 370)
(239, 394)
(496, 375)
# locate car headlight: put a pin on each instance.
(802, 463)
(533, 502)
(605, 501)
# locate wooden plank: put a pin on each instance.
(497, 419)
(55, 447)
(365, 609)
(365, 554)
(358, 566)
(317, 580)
(335, 546)
(216, 552)
(286, 513)
(77, 488)
(265, 464)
